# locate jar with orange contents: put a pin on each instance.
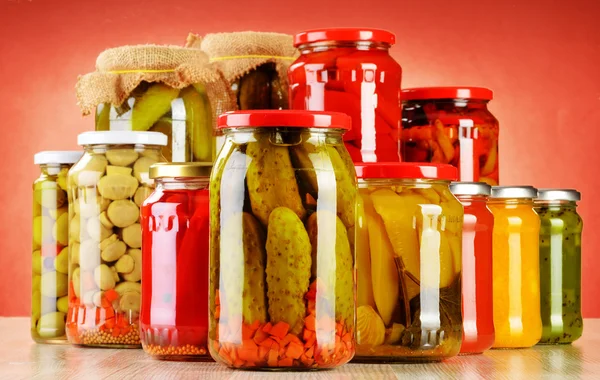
(451, 125)
(516, 267)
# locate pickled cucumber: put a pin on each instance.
(288, 268)
(199, 123)
(271, 180)
(254, 90)
(321, 226)
(152, 105)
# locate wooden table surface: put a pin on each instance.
(21, 358)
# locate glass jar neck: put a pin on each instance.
(353, 45)
(511, 201)
(416, 183)
(285, 136)
(457, 103)
(53, 169)
(182, 183)
(473, 198)
(98, 148)
(556, 203)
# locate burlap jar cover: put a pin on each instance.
(120, 72)
(254, 65)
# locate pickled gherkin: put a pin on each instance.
(282, 223)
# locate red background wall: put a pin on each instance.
(541, 58)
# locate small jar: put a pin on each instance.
(350, 70)
(452, 125)
(477, 284)
(408, 252)
(560, 265)
(516, 267)
(106, 189)
(282, 203)
(49, 301)
(174, 314)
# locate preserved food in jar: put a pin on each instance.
(560, 265)
(106, 189)
(516, 267)
(477, 284)
(166, 89)
(350, 70)
(49, 301)
(174, 313)
(451, 125)
(184, 115)
(408, 252)
(282, 269)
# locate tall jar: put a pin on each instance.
(49, 301)
(477, 284)
(282, 201)
(516, 267)
(350, 70)
(560, 265)
(106, 189)
(174, 314)
(452, 125)
(408, 252)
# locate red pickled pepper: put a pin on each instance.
(188, 304)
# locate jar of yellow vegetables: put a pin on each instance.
(516, 268)
(408, 260)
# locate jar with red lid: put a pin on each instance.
(477, 284)
(350, 70)
(408, 259)
(452, 125)
(282, 204)
(174, 218)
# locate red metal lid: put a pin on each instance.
(344, 34)
(406, 170)
(284, 118)
(479, 93)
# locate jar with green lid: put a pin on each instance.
(106, 190)
(49, 301)
(560, 265)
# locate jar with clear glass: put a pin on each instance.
(477, 284)
(452, 125)
(560, 265)
(282, 204)
(106, 189)
(350, 70)
(174, 218)
(408, 255)
(516, 267)
(49, 301)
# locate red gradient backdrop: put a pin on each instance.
(541, 58)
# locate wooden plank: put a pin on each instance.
(21, 358)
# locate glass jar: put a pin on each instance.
(452, 125)
(408, 252)
(174, 314)
(49, 301)
(106, 188)
(350, 70)
(477, 284)
(516, 267)
(560, 265)
(282, 197)
(184, 115)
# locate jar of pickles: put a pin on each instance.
(106, 189)
(477, 291)
(282, 203)
(560, 265)
(49, 301)
(174, 314)
(451, 125)
(408, 252)
(350, 70)
(516, 267)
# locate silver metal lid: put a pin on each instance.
(508, 192)
(470, 188)
(558, 195)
